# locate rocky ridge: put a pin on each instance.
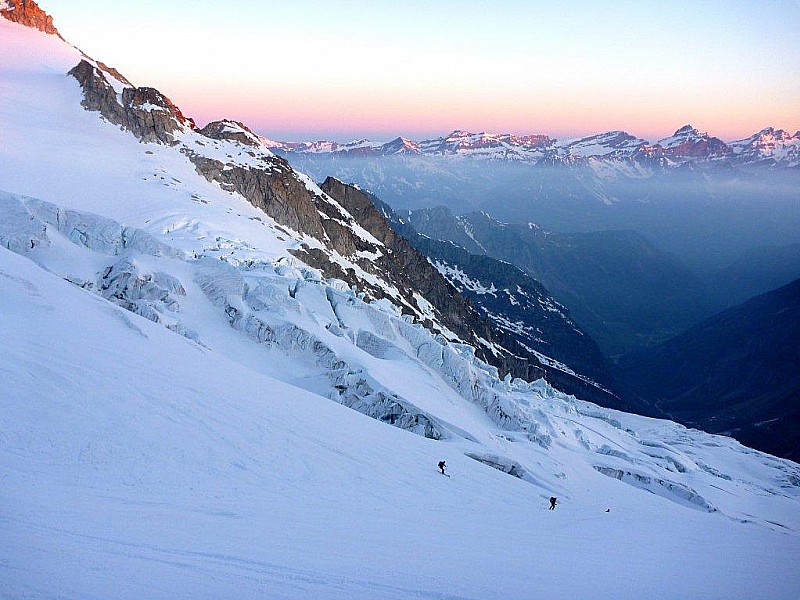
(522, 309)
(346, 238)
(144, 111)
(28, 13)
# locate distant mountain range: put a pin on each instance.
(617, 150)
(737, 373)
(702, 199)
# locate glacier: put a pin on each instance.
(188, 409)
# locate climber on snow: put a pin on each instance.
(553, 502)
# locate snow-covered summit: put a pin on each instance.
(400, 145)
(618, 143)
(769, 145)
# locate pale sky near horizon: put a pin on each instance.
(342, 69)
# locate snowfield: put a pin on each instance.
(188, 411)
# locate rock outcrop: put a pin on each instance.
(231, 130)
(144, 111)
(525, 318)
(28, 13)
(410, 270)
(275, 190)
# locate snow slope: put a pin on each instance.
(137, 463)
(172, 419)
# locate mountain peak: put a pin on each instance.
(778, 134)
(400, 145)
(687, 143)
(29, 14)
(769, 146)
(231, 130)
(686, 130)
(606, 144)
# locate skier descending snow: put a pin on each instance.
(441, 468)
(553, 502)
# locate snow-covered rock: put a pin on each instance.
(769, 146)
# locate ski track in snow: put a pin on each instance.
(275, 577)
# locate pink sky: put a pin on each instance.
(347, 68)
(344, 115)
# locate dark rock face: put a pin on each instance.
(410, 271)
(98, 94)
(28, 13)
(736, 373)
(144, 111)
(276, 191)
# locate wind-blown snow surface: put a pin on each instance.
(171, 419)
